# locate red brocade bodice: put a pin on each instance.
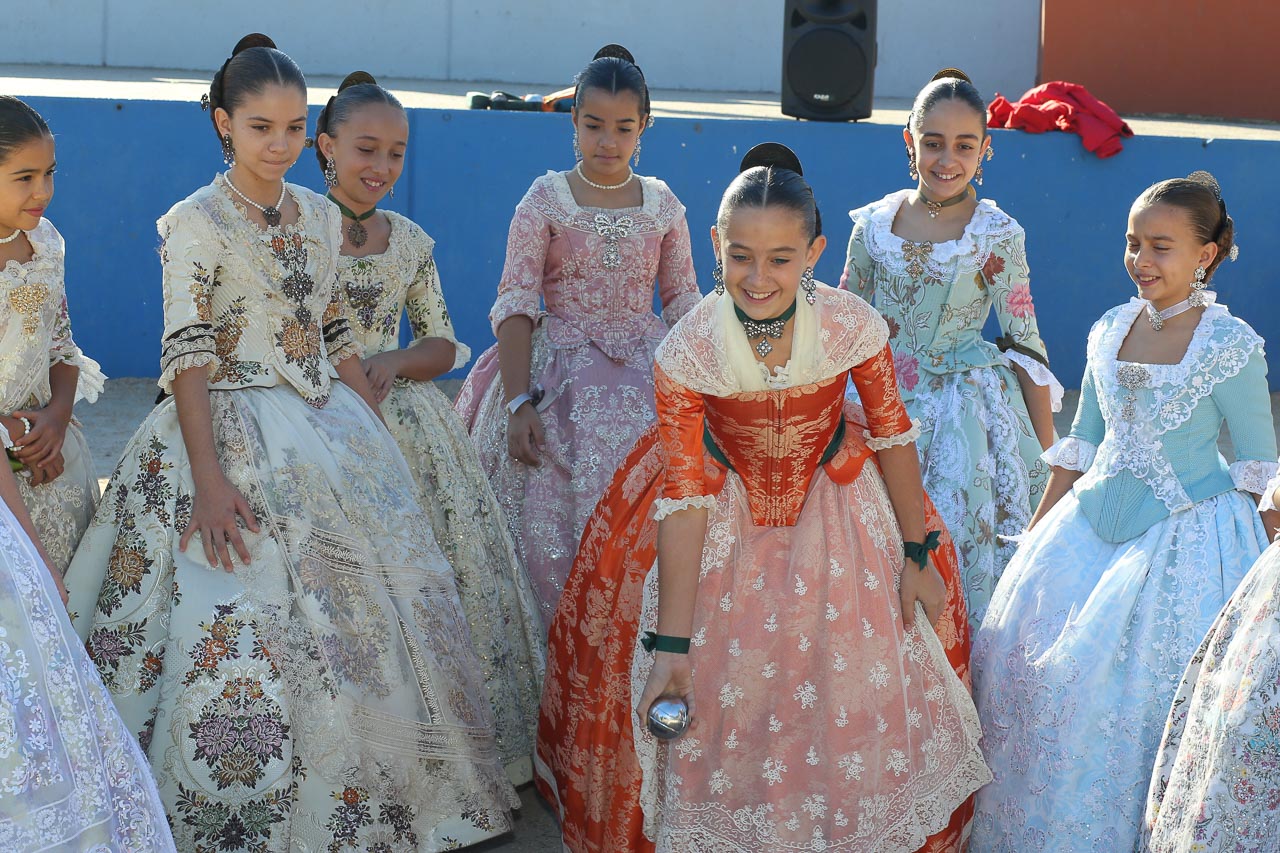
(775, 440)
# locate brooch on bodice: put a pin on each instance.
(1132, 376)
(613, 230)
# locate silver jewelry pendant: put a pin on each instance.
(668, 717)
(357, 234)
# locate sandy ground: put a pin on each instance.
(110, 423)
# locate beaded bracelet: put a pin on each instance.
(662, 643)
(918, 552)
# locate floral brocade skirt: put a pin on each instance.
(1216, 785)
(499, 603)
(596, 408)
(820, 725)
(1078, 660)
(61, 510)
(323, 697)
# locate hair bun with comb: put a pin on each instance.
(615, 51)
(946, 73)
(253, 40)
(357, 78)
(773, 154)
(1208, 180)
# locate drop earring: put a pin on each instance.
(718, 275)
(392, 192)
(228, 150)
(809, 286)
(1197, 298)
(911, 165)
(977, 175)
(330, 173)
(577, 149)
(636, 159)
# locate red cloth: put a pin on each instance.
(1064, 106)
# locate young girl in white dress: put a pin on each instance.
(42, 371)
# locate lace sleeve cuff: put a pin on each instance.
(1267, 503)
(680, 306)
(339, 342)
(1074, 454)
(885, 442)
(516, 301)
(461, 354)
(666, 506)
(1254, 476)
(91, 380)
(191, 346)
(1039, 373)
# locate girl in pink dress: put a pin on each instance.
(556, 405)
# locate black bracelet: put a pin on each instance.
(918, 552)
(662, 643)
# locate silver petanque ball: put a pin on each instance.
(668, 717)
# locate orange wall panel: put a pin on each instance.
(1187, 57)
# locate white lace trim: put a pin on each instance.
(988, 226)
(551, 196)
(1040, 374)
(1219, 349)
(91, 381)
(885, 442)
(1074, 454)
(1268, 502)
(666, 506)
(1252, 475)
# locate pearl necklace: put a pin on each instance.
(11, 237)
(270, 214)
(630, 175)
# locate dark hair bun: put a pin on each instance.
(946, 73)
(357, 78)
(773, 154)
(615, 51)
(1206, 179)
(253, 40)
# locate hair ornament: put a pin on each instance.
(1234, 254)
(1206, 179)
(356, 78)
(252, 40)
(204, 101)
(951, 72)
(615, 51)
(773, 154)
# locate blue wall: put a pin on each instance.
(122, 164)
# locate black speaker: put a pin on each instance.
(828, 59)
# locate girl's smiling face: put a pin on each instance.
(765, 250)
(949, 141)
(1162, 252)
(26, 184)
(368, 152)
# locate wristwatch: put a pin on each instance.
(533, 395)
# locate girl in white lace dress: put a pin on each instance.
(387, 268)
(42, 371)
(1144, 532)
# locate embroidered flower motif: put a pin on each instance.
(993, 267)
(1018, 302)
(907, 367)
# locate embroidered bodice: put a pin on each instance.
(35, 328)
(259, 307)
(595, 269)
(1145, 435)
(774, 438)
(376, 289)
(936, 297)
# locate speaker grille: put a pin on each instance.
(826, 68)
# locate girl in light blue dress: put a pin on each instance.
(1143, 533)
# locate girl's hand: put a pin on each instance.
(48, 432)
(672, 675)
(382, 370)
(525, 436)
(48, 472)
(213, 516)
(925, 586)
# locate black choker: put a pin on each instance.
(935, 207)
(356, 231)
(764, 329)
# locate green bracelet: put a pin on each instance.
(662, 643)
(918, 552)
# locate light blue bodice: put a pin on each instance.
(1145, 435)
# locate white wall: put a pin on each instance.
(730, 45)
